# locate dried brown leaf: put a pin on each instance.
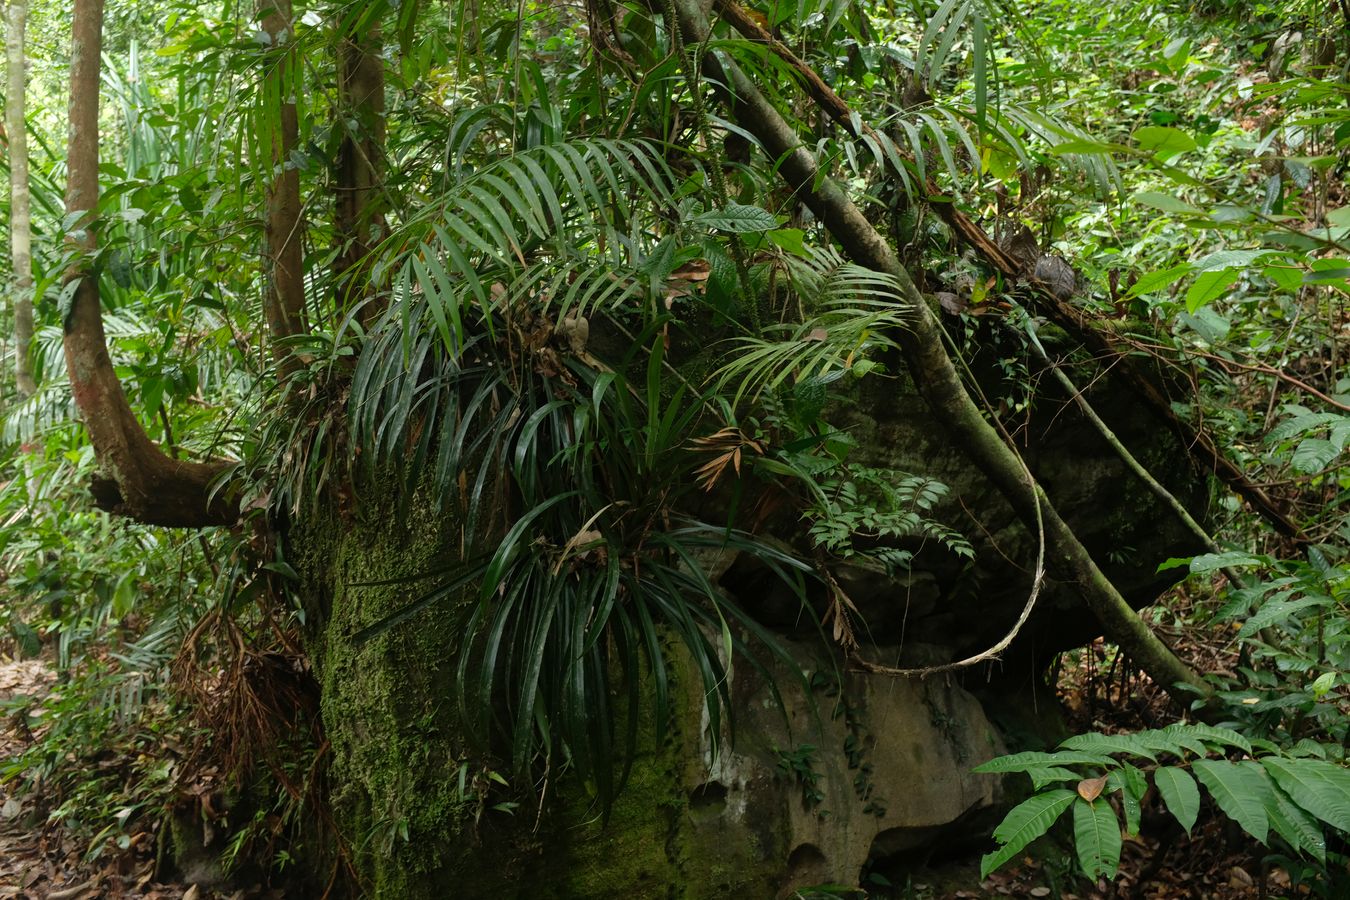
(1091, 788)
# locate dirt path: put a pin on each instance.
(37, 862)
(24, 871)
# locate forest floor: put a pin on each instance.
(39, 860)
(1217, 861)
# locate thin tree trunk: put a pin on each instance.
(284, 300)
(20, 218)
(140, 481)
(359, 222)
(932, 369)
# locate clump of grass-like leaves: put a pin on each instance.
(581, 573)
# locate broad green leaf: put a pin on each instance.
(1273, 612)
(1328, 270)
(738, 219)
(1327, 276)
(1293, 823)
(1229, 259)
(1176, 53)
(1026, 821)
(1033, 759)
(1156, 281)
(1302, 423)
(1108, 743)
(1160, 741)
(1286, 278)
(1212, 734)
(1323, 684)
(27, 638)
(1208, 324)
(1166, 203)
(1321, 788)
(1212, 562)
(1237, 792)
(1163, 141)
(1208, 287)
(790, 239)
(1132, 786)
(1040, 777)
(1314, 454)
(1177, 789)
(1096, 833)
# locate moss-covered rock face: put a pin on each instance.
(852, 771)
(808, 792)
(844, 770)
(388, 701)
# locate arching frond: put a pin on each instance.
(557, 208)
(850, 314)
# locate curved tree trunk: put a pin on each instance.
(932, 369)
(141, 482)
(20, 219)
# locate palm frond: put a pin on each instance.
(852, 311)
(515, 221)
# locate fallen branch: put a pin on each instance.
(69, 893)
(1064, 314)
(931, 368)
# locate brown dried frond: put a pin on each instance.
(840, 614)
(726, 447)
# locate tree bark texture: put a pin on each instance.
(20, 218)
(932, 369)
(141, 482)
(284, 300)
(359, 204)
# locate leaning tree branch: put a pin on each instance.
(932, 369)
(1067, 316)
(994, 650)
(141, 482)
(1134, 465)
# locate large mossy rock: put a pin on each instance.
(854, 768)
(847, 767)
